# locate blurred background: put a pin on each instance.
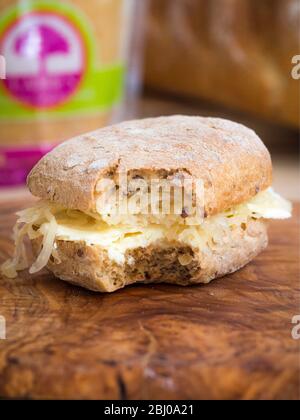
(75, 65)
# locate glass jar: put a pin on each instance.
(65, 74)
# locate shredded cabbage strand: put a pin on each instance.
(42, 218)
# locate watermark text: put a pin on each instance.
(2, 328)
(296, 328)
(296, 69)
(175, 195)
(2, 67)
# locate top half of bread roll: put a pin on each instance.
(229, 158)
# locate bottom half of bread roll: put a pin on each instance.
(105, 254)
(152, 258)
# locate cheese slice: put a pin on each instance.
(270, 205)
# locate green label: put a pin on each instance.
(50, 58)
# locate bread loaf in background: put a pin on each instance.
(234, 52)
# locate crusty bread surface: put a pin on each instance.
(90, 267)
(229, 158)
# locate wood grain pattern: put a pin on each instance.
(227, 340)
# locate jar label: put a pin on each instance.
(65, 69)
(50, 63)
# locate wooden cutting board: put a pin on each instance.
(227, 340)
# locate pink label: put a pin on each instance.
(15, 164)
(46, 59)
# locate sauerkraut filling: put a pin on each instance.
(51, 223)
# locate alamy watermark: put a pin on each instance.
(2, 328)
(296, 328)
(2, 67)
(178, 194)
(296, 69)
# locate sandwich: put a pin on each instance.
(178, 199)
